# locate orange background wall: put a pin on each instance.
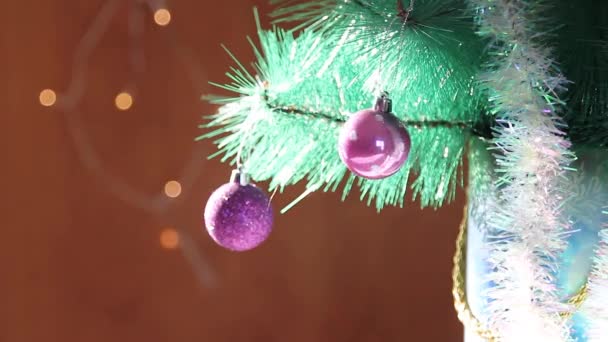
(80, 256)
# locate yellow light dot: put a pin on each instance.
(162, 17)
(47, 97)
(123, 101)
(173, 189)
(169, 238)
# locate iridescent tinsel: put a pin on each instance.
(594, 308)
(532, 156)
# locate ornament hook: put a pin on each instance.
(383, 103)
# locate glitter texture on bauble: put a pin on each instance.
(238, 215)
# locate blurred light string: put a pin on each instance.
(159, 204)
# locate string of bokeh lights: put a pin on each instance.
(123, 100)
(170, 238)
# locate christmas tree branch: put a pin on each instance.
(287, 117)
(482, 130)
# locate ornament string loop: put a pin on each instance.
(404, 14)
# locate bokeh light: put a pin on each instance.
(162, 17)
(173, 189)
(47, 97)
(123, 101)
(169, 238)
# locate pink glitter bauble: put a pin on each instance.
(373, 144)
(238, 217)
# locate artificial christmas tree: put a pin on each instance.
(519, 85)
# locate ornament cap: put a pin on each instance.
(383, 103)
(239, 176)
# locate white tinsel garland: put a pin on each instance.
(594, 307)
(532, 154)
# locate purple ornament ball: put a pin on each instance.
(238, 217)
(373, 144)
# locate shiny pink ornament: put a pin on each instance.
(373, 143)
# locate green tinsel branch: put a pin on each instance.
(337, 74)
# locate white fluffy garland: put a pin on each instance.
(532, 154)
(594, 307)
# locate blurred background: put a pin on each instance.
(104, 189)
